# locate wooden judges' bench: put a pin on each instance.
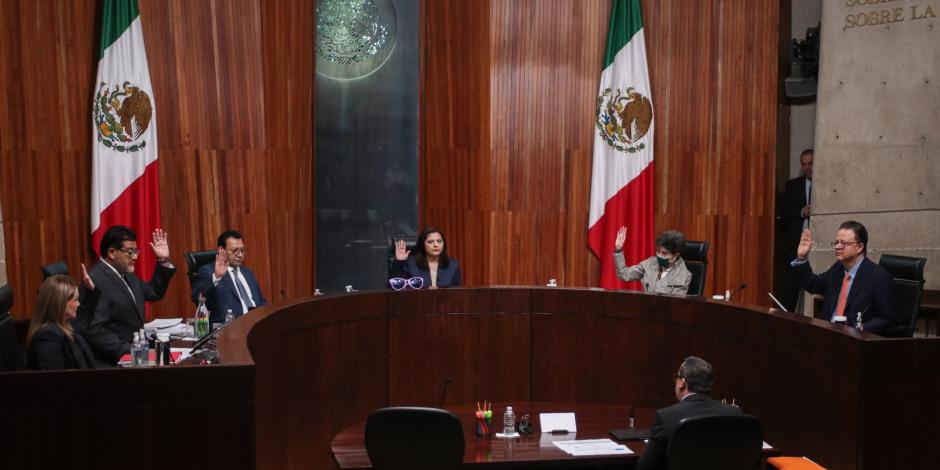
(312, 368)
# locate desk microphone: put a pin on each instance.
(444, 391)
(739, 289)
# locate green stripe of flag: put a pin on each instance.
(625, 21)
(116, 17)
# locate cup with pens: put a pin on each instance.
(483, 417)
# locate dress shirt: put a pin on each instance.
(240, 278)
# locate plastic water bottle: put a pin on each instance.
(144, 349)
(135, 350)
(202, 317)
(509, 422)
(229, 316)
(858, 322)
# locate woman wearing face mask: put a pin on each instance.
(51, 342)
(664, 273)
(430, 261)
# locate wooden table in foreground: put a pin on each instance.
(534, 450)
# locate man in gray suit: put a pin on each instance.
(664, 273)
(694, 382)
(120, 309)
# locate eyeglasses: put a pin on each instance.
(400, 283)
(132, 252)
(238, 251)
(841, 243)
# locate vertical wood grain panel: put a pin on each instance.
(233, 86)
(508, 90)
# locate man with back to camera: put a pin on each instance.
(120, 310)
(228, 284)
(854, 284)
(693, 383)
(795, 210)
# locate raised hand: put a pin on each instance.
(159, 245)
(806, 243)
(221, 263)
(86, 279)
(401, 253)
(621, 237)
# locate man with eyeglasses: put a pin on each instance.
(854, 284)
(228, 284)
(120, 311)
(693, 383)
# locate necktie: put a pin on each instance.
(128, 284)
(241, 290)
(843, 294)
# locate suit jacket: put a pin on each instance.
(667, 420)
(791, 212)
(446, 277)
(676, 281)
(50, 348)
(871, 293)
(224, 296)
(110, 327)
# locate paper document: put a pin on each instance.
(766, 446)
(558, 422)
(593, 447)
(161, 323)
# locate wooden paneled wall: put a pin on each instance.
(233, 84)
(508, 93)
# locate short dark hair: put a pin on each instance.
(698, 374)
(672, 240)
(115, 237)
(226, 235)
(861, 233)
(807, 151)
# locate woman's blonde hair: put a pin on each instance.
(54, 295)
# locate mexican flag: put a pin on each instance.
(622, 176)
(125, 188)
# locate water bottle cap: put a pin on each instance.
(508, 408)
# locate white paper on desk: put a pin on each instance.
(161, 323)
(558, 422)
(593, 447)
(766, 446)
(548, 440)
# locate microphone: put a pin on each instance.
(739, 289)
(444, 391)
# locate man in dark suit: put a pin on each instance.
(119, 312)
(694, 382)
(228, 284)
(853, 285)
(794, 212)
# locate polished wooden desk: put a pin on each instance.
(534, 450)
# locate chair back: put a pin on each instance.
(51, 269)
(695, 255)
(410, 242)
(908, 274)
(196, 260)
(11, 353)
(727, 442)
(414, 438)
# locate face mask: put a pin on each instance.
(663, 262)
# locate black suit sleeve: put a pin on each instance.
(48, 349)
(156, 288)
(654, 457)
(108, 345)
(813, 283)
(399, 269)
(203, 283)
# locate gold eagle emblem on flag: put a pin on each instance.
(623, 118)
(121, 116)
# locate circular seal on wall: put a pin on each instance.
(354, 37)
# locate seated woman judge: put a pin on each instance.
(429, 268)
(664, 273)
(52, 342)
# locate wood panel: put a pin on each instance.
(508, 94)
(233, 89)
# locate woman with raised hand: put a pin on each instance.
(664, 273)
(430, 262)
(52, 342)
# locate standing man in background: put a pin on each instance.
(794, 212)
(228, 284)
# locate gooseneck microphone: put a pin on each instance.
(446, 382)
(739, 289)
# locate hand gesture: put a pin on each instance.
(621, 237)
(401, 253)
(86, 279)
(221, 263)
(806, 242)
(160, 248)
